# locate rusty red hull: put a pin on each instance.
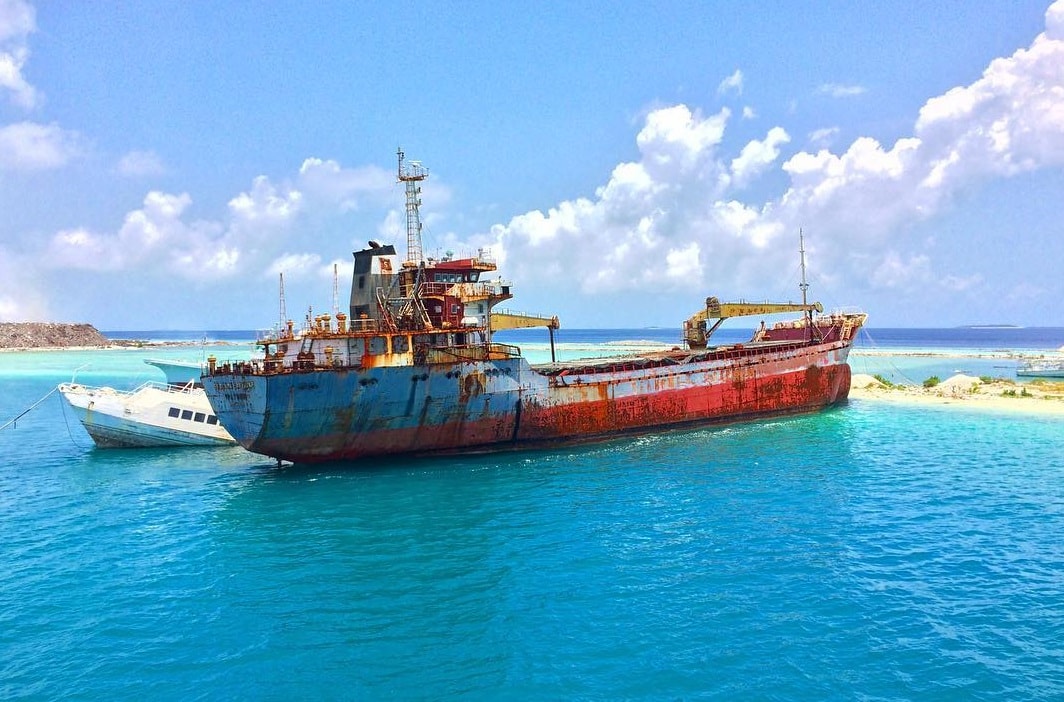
(329, 414)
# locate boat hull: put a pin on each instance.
(349, 413)
(141, 419)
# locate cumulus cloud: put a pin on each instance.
(265, 204)
(22, 296)
(346, 189)
(294, 265)
(259, 224)
(154, 230)
(757, 156)
(27, 146)
(17, 22)
(673, 220)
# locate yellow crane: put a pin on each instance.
(520, 320)
(697, 336)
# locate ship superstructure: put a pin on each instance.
(413, 368)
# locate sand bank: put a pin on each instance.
(1039, 397)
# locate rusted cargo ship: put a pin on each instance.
(413, 369)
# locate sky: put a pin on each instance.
(162, 163)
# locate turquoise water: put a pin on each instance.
(872, 552)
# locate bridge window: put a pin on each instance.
(400, 344)
(378, 345)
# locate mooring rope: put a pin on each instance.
(29, 409)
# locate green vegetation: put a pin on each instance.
(932, 381)
(883, 380)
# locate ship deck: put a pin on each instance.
(657, 359)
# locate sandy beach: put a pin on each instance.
(1041, 397)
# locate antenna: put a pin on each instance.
(411, 175)
(336, 289)
(283, 311)
(801, 250)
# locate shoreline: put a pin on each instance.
(122, 345)
(1035, 397)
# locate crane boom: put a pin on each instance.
(517, 320)
(697, 336)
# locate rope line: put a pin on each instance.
(26, 411)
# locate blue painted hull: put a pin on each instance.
(344, 413)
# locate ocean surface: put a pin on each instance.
(871, 552)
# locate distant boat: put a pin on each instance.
(177, 413)
(1041, 369)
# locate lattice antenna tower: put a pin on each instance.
(281, 306)
(336, 289)
(411, 174)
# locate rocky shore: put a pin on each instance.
(44, 335)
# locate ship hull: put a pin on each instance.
(349, 413)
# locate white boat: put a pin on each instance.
(1041, 369)
(153, 415)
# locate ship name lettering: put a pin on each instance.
(235, 385)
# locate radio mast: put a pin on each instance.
(411, 175)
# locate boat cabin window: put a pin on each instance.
(200, 416)
(186, 414)
(400, 344)
(378, 345)
(211, 419)
(174, 412)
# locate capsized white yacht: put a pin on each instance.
(153, 415)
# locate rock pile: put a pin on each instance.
(40, 335)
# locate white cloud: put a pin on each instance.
(756, 156)
(294, 265)
(823, 137)
(344, 188)
(675, 140)
(1055, 21)
(259, 223)
(732, 84)
(894, 272)
(27, 146)
(136, 164)
(22, 296)
(265, 204)
(837, 90)
(17, 22)
(749, 113)
(671, 220)
(153, 233)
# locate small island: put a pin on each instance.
(997, 394)
(49, 335)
